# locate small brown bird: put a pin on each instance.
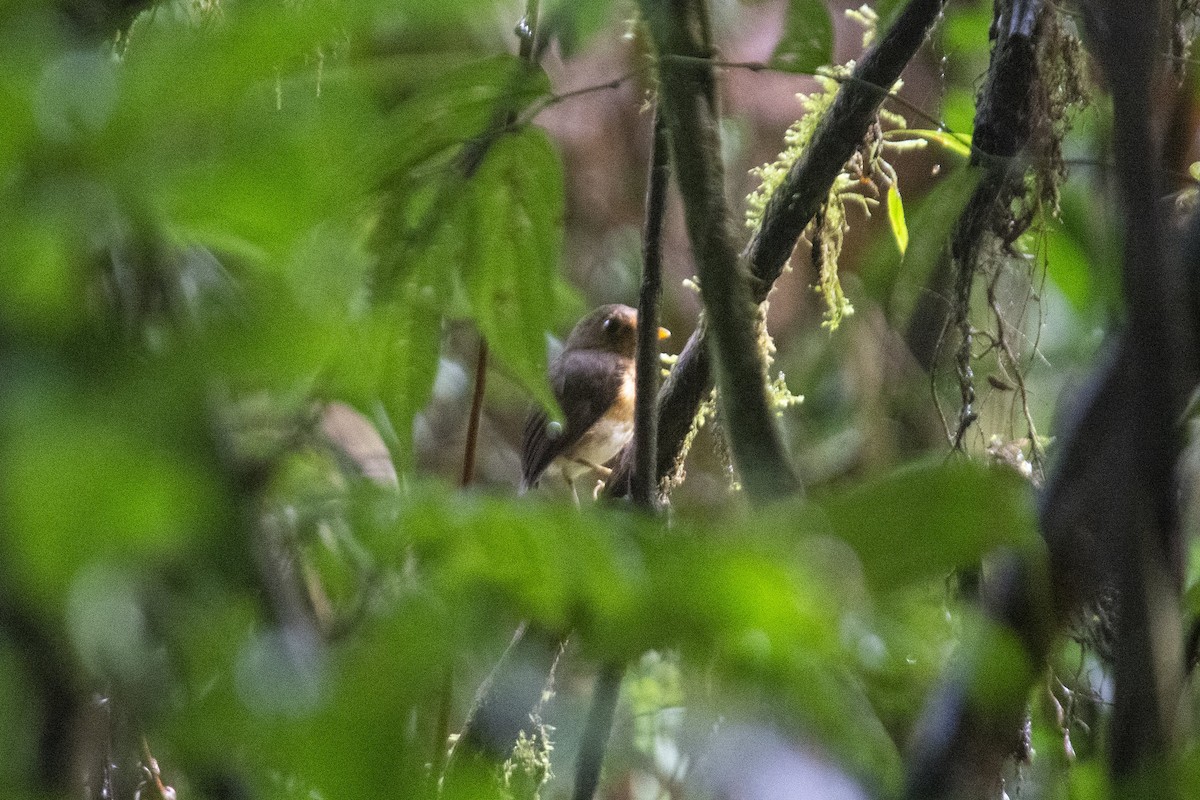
(593, 381)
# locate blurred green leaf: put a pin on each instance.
(85, 482)
(895, 209)
(21, 712)
(1068, 268)
(1083, 253)
(43, 291)
(291, 716)
(454, 106)
(898, 283)
(923, 521)
(573, 23)
(387, 359)
(958, 111)
(515, 205)
(966, 31)
(807, 41)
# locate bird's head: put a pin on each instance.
(611, 329)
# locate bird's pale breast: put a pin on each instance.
(609, 433)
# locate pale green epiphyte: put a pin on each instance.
(859, 182)
(795, 140)
(779, 395)
(704, 414)
(527, 770)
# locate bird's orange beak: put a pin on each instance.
(663, 333)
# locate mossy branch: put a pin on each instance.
(788, 213)
(687, 98)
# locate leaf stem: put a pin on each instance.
(473, 420)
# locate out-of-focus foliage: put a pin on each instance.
(233, 213)
(807, 41)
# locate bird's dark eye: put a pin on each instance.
(610, 324)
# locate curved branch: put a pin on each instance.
(788, 213)
(687, 96)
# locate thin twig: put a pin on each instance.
(555, 99)
(645, 425)
(644, 480)
(476, 415)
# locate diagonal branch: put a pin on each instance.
(788, 213)
(687, 97)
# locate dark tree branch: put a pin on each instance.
(687, 97)
(475, 416)
(596, 731)
(1161, 343)
(961, 743)
(1108, 514)
(502, 706)
(644, 488)
(788, 213)
(807, 184)
(1003, 125)
(645, 424)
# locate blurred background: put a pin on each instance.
(216, 228)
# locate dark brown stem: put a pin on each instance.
(476, 415)
(788, 213)
(1161, 342)
(644, 485)
(644, 488)
(687, 95)
(960, 747)
(1003, 125)
(596, 731)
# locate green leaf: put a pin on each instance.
(899, 285)
(895, 209)
(925, 520)
(573, 23)
(1068, 267)
(388, 361)
(452, 106)
(514, 207)
(21, 715)
(89, 479)
(807, 41)
(412, 345)
(431, 137)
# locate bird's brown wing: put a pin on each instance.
(586, 384)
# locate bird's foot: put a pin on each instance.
(599, 469)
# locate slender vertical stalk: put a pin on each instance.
(476, 415)
(596, 731)
(645, 422)
(644, 481)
